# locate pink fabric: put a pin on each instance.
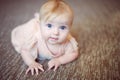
(28, 36)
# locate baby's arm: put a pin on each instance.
(68, 57)
(71, 53)
(24, 41)
(30, 61)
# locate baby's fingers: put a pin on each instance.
(29, 69)
(41, 68)
(56, 66)
(32, 71)
(36, 70)
(51, 66)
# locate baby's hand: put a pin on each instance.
(53, 63)
(34, 68)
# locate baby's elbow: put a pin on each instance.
(76, 54)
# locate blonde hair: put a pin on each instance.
(54, 8)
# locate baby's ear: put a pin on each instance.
(37, 16)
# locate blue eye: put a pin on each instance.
(62, 27)
(49, 25)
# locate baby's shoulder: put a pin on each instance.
(71, 43)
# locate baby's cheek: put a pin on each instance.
(45, 34)
(63, 37)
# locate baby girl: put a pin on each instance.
(47, 36)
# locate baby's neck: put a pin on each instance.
(53, 45)
(55, 49)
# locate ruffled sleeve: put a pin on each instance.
(24, 37)
(71, 45)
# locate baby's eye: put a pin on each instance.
(62, 27)
(49, 25)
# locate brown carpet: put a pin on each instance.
(96, 28)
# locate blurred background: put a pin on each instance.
(96, 27)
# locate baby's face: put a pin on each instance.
(55, 31)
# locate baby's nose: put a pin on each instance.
(56, 31)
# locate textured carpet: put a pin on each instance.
(96, 28)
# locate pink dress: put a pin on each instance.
(28, 36)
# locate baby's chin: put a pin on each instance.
(53, 42)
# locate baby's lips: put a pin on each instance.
(53, 38)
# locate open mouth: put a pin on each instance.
(52, 38)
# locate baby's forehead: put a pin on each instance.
(59, 19)
(57, 22)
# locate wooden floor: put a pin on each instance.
(96, 28)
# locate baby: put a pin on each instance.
(47, 36)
